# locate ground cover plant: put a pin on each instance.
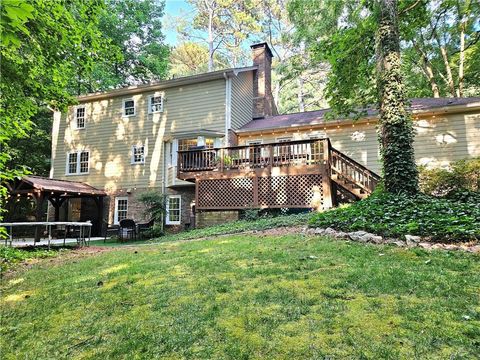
(10, 256)
(245, 296)
(456, 218)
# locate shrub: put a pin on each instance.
(155, 206)
(397, 215)
(462, 176)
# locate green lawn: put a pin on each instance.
(246, 296)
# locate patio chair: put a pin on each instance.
(144, 227)
(109, 231)
(127, 230)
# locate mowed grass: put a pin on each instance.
(245, 297)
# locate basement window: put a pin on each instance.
(121, 209)
(174, 210)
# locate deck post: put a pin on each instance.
(39, 197)
(327, 177)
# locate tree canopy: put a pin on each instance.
(136, 53)
(44, 44)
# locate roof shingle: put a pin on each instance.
(318, 116)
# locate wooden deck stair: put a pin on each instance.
(351, 176)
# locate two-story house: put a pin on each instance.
(214, 144)
(126, 141)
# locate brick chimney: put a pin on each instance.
(263, 104)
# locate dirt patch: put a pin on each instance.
(63, 256)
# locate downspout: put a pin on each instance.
(164, 173)
(228, 107)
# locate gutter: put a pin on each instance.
(161, 85)
(343, 122)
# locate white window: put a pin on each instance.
(155, 103)
(283, 150)
(80, 117)
(128, 107)
(174, 210)
(78, 162)
(138, 154)
(121, 209)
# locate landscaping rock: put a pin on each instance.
(412, 240)
(330, 232)
(399, 243)
(319, 231)
(425, 245)
(363, 236)
(340, 235)
(358, 236)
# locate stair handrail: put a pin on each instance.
(371, 178)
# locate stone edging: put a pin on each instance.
(409, 242)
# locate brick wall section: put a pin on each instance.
(210, 218)
(136, 209)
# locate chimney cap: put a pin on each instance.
(262, 45)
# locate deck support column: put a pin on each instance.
(327, 178)
(39, 198)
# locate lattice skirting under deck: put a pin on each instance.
(268, 191)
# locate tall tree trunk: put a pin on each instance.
(461, 59)
(300, 94)
(210, 38)
(427, 69)
(448, 69)
(396, 133)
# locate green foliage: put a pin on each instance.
(360, 41)
(155, 231)
(44, 44)
(9, 256)
(251, 214)
(34, 150)
(398, 215)
(155, 205)
(462, 176)
(136, 51)
(246, 297)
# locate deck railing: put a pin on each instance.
(289, 153)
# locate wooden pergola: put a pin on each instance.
(56, 192)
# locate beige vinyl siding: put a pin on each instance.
(439, 139)
(242, 99)
(109, 136)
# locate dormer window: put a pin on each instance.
(155, 104)
(128, 107)
(80, 117)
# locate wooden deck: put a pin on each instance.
(293, 174)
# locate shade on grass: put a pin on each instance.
(243, 297)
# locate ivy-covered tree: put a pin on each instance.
(360, 41)
(395, 130)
